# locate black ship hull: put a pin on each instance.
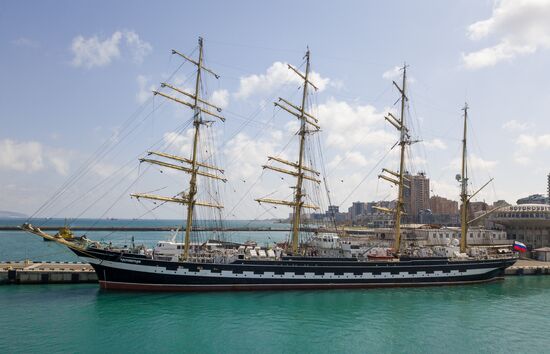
(134, 272)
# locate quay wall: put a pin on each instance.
(29, 272)
(529, 267)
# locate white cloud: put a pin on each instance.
(25, 42)
(93, 52)
(180, 143)
(395, 73)
(417, 164)
(392, 73)
(139, 48)
(277, 75)
(436, 144)
(220, 98)
(521, 27)
(59, 162)
(145, 90)
(514, 126)
(522, 159)
(21, 156)
(104, 169)
(292, 126)
(355, 159)
(444, 189)
(532, 142)
(351, 159)
(250, 153)
(32, 156)
(90, 52)
(477, 163)
(347, 125)
(474, 163)
(492, 55)
(180, 82)
(528, 145)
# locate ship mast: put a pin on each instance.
(299, 180)
(398, 178)
(299, 169)
(464, 188)
(195, 167)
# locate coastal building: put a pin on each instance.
(417, 196)
(441, 205)
(500, 204)
(439, 236)
(376, 220)
(427, 217)
(476, 236)
(476, 207)
(356, 210)
(360, 213)
(333, 209)
(534, 199)
(385, 204)
(372, 217)
(333, 214)
(542, 254)
(370, 207)
(528, 223)
(443, 212)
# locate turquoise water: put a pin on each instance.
(511, 316)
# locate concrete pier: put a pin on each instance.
(29, 272)
(529, 267)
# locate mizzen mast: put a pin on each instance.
(464, 196)
(192, 166)
(398, 178)
(464, 188)
(308, 124)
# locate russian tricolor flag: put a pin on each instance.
(520, 247)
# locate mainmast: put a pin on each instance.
(398, 178)
(194, 167)
(299, 169)
(464, 188)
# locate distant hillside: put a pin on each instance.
(11, 214)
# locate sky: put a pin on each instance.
(76, 108)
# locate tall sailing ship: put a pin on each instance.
(296, 265)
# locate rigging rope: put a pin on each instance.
(100, 153)
(366, 176)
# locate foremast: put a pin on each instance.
(194, 167)
(308, 125)
(398, 178)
